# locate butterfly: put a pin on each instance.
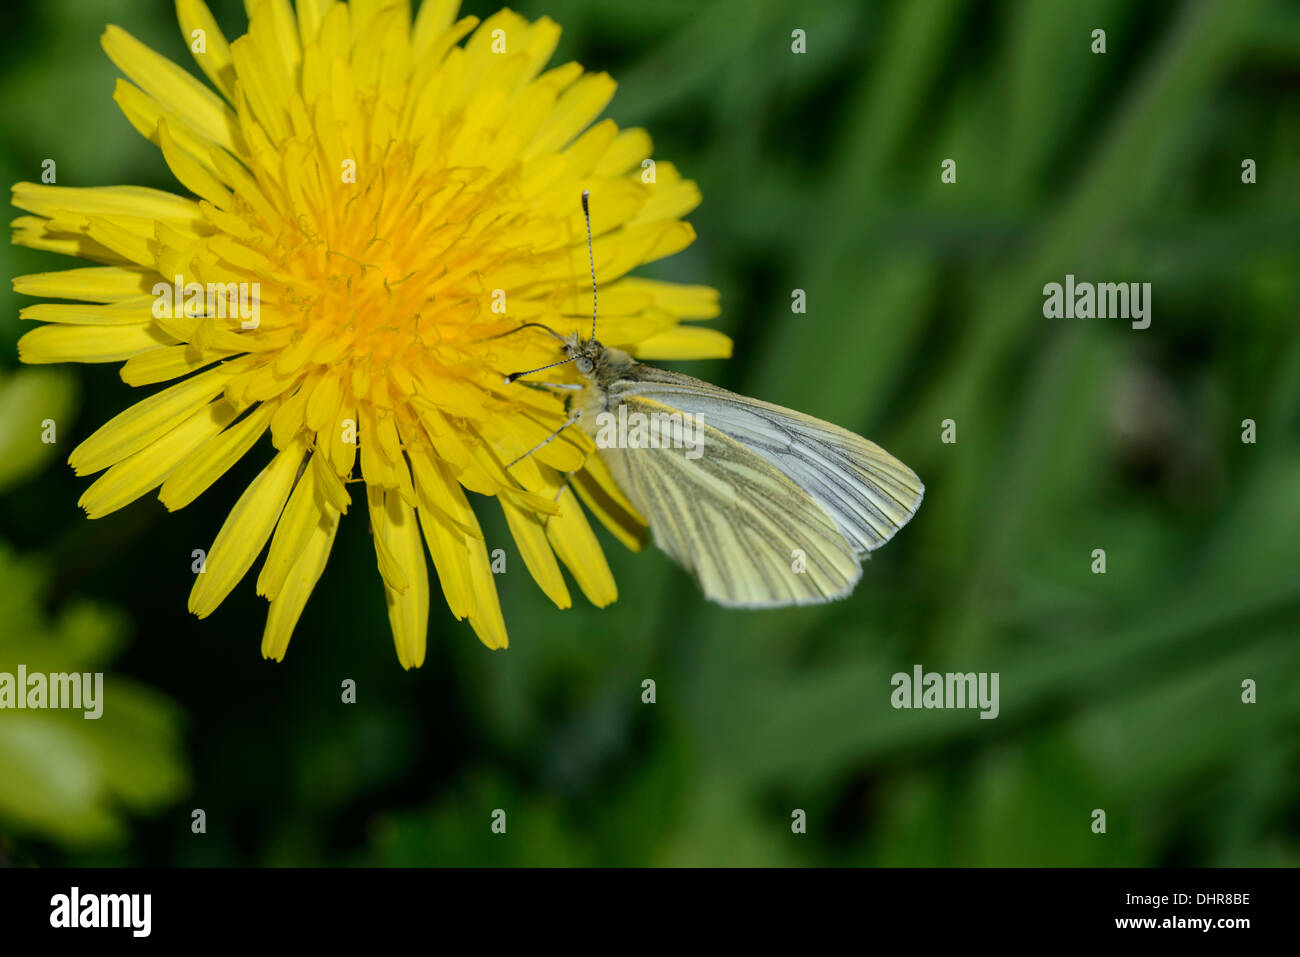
(763, 505)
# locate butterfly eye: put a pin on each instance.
(585, 365)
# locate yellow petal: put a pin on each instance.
(125, 237)
(171, 86)
(245, 531)
(628, 150)
(302, 515)
(576, 545)
(37, 233)
(311, 13)
(193, 175)
(276, 32)
(89, 284)
(530, 535)
(292, 533)
(451, 560)
(576, 109)
(288, 420)
(342, 440)
(136, 202)
(260, 85)
(670, 198)
(408, 610)
(167, 362)
(287, 608)
(323, 405)
(679, 299)
(685, 342)
(145, 470)
(601, 494)
(146, 421)
(330, 486)
(432, 21)
(440, 493)
(485, 619)
(124, 312)
(215, 61)
(390, 568)
(213, 459)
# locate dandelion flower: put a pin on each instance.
(388, 198)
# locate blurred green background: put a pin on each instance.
(820, 172)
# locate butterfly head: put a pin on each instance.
(586, 354)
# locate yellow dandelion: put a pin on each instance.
(375, 201)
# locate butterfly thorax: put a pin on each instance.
(600, 365)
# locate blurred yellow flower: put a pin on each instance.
(376, 205)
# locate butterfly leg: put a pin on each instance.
(568, 477)
(549, 439)
(564, 486)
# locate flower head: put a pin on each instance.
(378, 207)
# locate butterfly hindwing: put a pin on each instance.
(868, 493)
(750, 535)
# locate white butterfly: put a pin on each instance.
(765, 506)
(768, 507)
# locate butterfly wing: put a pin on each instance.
(867, 492)
(747, 532)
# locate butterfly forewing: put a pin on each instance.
(867, 492)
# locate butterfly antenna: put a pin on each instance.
(591, 258)
(526, 325)
(519, 375)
